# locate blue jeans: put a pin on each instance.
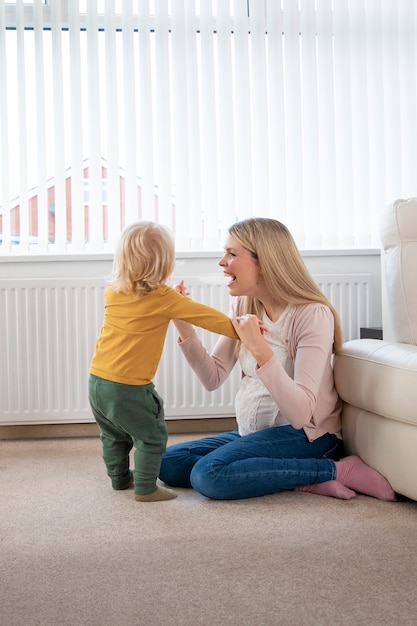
(230, 467)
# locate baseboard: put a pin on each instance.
(51, 431)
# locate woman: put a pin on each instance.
(287, 407)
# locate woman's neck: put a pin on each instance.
(274, 309)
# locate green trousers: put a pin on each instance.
(129, 416)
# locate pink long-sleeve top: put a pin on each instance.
(304, 391)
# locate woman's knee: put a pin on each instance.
(175, 468)
(206, 479)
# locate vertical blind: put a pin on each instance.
(199, 113)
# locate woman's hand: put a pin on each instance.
(184, 329)
(249, 323)
(250, 330)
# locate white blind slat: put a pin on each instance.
(360, 139)
(391, 100)
(94, 160)
(146, 114)
(40, 126)
(375, 118)
(129, 162)
(22, 128)
(293, 117)
(192, 211)
(59, 169)
(259, 98)
(276, 113)
(209, 150)
(242, 111)
(310, 42)
(227, 202)
(112, 128)
(343, 123)
(407, 24)
(162, 121)
(76, 166)
(4, 140)
(325, 128)
(180, 156)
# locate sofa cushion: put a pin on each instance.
(380, 377)
(399, 240)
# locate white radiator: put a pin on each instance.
(48, 328)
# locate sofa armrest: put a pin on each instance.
(379, 376)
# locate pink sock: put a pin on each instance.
(355, 474)
(332, 488)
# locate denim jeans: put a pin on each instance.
(229, 467)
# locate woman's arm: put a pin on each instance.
(211, 369)
(296, 392)
(185, 329)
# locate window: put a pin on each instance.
(202, 113)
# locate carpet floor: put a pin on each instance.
(73, 552)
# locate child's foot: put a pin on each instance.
(161, 493)
(332, 488)
(127, 484)
(353, 473)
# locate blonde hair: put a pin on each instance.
(285, 273)
(144, 258)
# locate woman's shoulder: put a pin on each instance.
(313, 320)
(310, 311)
(310, 308)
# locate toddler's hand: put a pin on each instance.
(182, 289)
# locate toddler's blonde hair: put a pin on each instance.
(144, 258)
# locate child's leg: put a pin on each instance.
(116, 443)
(116, 446)
(150, 443)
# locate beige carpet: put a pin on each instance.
(75, 553)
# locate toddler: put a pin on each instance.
(138, 308)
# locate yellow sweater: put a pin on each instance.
(129, 347)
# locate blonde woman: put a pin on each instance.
(138, 308)
(287, 407)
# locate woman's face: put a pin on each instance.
(242, 269)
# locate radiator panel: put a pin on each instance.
(48, 329)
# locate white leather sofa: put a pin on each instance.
(377, 380)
